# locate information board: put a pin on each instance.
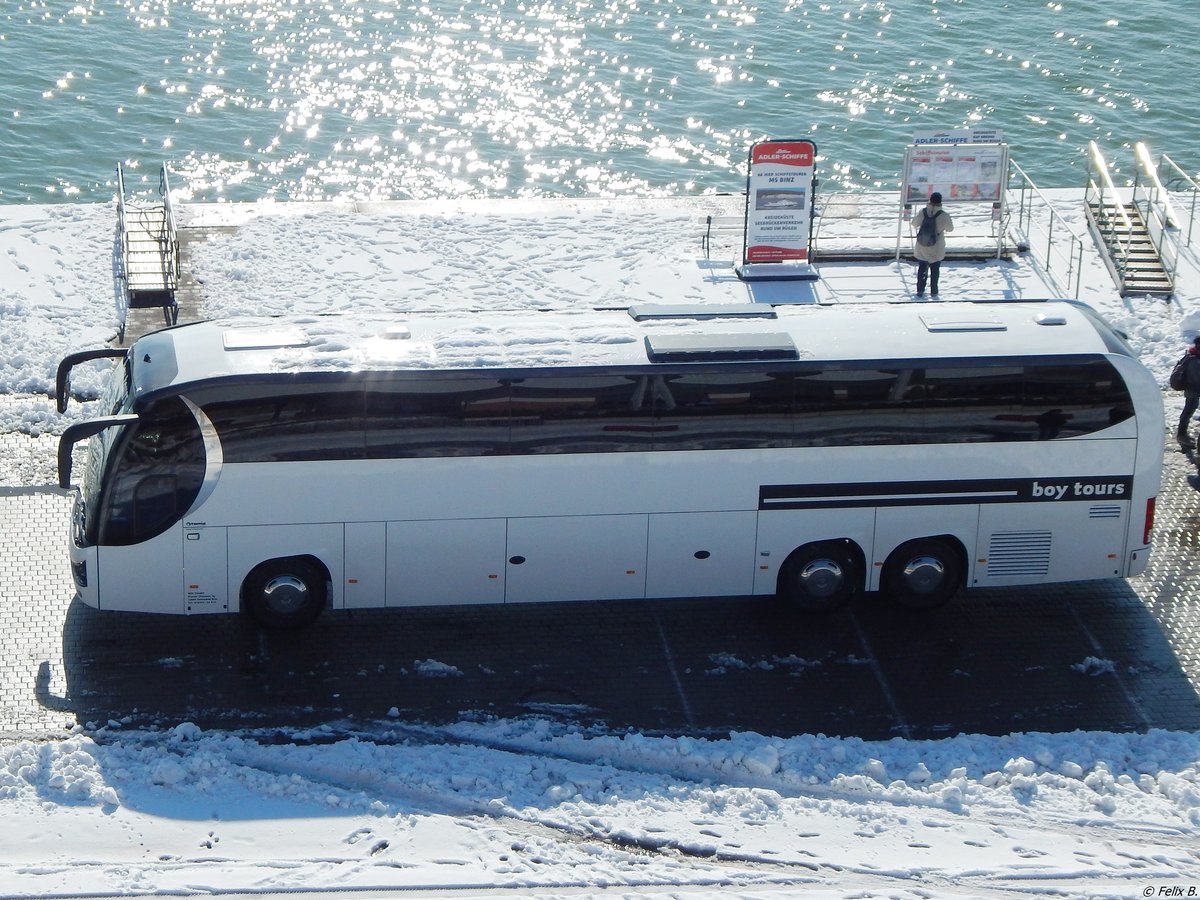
(961, 173)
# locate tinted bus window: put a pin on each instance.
(719, 411)
(437, 417)
(290, 426)
(738, 408)
(857, 407)
(1074, 400)
(979, 403)
(581, 414)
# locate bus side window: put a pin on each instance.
(433, 417)
(580, 414)
(724, 411)
(1089, 397)
(859, 407)
(977, 403)
(287, 427)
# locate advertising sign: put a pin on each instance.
(960, 136)
(779, 201)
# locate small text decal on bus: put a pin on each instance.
(1111, 488)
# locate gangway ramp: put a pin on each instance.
(149, 252)
(1132, 227)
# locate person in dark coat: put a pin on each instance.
(929, 258)
(1191, 393)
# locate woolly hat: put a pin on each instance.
(935, 198)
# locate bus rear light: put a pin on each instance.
(1149, 520)
(79, 571)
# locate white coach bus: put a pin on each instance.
(285, 466)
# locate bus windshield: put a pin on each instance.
(142, 477)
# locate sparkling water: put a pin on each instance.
(306, 100)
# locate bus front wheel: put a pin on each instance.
(923, 574)
(285, 594)
(819, 577)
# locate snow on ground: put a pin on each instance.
(528, 807)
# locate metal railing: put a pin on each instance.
(1179, 182)
(1036, 215)
(1154, 204)
(1106, 209)
(121, 229)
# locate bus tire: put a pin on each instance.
(923, 574)
(285, 594)
(819, 577)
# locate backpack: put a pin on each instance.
(927, 233)
(1178, 379)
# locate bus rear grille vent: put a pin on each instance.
(1019, 553)
(1110, 511)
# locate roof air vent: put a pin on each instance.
(1047, 319)
(719, 347)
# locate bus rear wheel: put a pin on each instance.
(923, 574)
(819, 577)
(285, 594)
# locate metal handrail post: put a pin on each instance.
(1124, 227)
(169, 224)
(121, 221)
(1193, 187)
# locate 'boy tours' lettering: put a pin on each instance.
(1078, 490)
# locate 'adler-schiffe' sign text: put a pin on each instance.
(779, 201)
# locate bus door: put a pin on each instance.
(205, 570)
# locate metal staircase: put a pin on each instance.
(149, 259)
(1132, 227)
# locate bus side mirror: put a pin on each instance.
(62, 380)
(81, 431)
